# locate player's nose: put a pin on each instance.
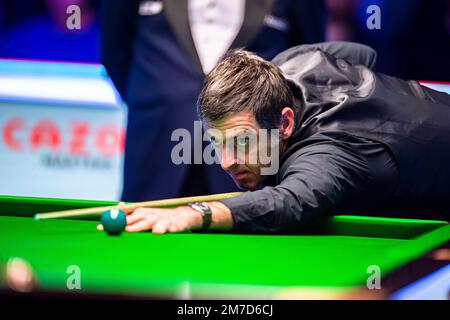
(227, 160)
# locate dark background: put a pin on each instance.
(413, 42)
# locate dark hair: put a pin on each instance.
(244, 81)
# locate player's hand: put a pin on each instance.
(181, 219)
(159, 221)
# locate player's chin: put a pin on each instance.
(246, 184)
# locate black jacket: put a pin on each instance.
(364, 142)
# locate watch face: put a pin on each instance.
(203, 205)
(199, 206)
(205, 211)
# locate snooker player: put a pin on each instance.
(350, 140)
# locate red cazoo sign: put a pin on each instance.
(77, 138)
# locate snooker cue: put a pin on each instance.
(131, 206)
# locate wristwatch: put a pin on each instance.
(205, 211)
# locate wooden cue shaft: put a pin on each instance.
(132, 206)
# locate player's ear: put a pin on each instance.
(287, 123)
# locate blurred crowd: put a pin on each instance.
(36, 29)
(413, 42)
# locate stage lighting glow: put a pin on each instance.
(54, 89)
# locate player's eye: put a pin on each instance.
(242, 141)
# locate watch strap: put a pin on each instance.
(204, 209)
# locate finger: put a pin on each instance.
(136, 216)
(178, 226)
(160, 227)
(142, 225)
(145, 224)
(121, 205)
(100, 227)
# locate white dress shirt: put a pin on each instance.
(214, 25)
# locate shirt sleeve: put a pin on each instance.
(316, 180)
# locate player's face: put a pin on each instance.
(238, 144)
